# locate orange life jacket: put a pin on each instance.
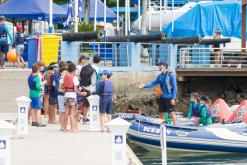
(68, 83)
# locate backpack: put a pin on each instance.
(68, 83)
(86, 74)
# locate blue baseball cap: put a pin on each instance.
(105, 72)
(163, 62)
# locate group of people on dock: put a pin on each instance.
(66, 87)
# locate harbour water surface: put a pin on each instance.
(175, 157)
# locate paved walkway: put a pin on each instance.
(49, 146)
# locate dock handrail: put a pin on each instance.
(206, 57)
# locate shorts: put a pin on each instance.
(60, 100)
(85, 102)
(165, 105)
(19, 49)
(36, 103)
(70, 103)
(105, 105)
(4, 47)
(46, 89)
(52, 97)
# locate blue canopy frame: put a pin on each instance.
(31, 9)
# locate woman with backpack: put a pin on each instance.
(85, 73)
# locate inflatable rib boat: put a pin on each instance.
(216, 138)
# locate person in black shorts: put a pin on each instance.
(168, 87)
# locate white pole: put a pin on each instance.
(129, 15)
(161, 16)
(118, 128)
(163, 144)
(149, 14)
(105, 17)
(117, 15)
(95, 14)
(139, 14)
(23, 106)
(6, 130)
(51, 17)
(76, 15)
(172, 15)
(94, 113)
(126, 18)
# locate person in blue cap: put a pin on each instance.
(54, 67)
(168, 85)
(105, 88)
(4, 34)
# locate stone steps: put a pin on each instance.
(13, 84)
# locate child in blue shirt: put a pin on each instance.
(105, 89)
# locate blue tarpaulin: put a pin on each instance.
(110, 15)
(31, 9)
(205, 18)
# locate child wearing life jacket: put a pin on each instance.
(52, 92)
(105, 89)
(35, 88)
(205, 113)
(60, 98)
(194, 109)
(71, 83)
(41, 65)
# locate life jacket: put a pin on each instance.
(107, 88)
(208, 114)
(68, 83)
(20, 38)
(31, 82)
(196, 111)
(50, 80)
(167, 81)
(3, 33)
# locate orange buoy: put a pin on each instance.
(11, 56)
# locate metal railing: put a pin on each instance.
(152, 53)
(212, 58)
(114, 54)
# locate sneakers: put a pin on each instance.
(85, 120)
(36, 124)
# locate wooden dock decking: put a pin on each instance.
(49, 146)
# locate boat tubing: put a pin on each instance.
(198, 138)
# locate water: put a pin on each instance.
(188, 157)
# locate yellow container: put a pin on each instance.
(50, 48)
